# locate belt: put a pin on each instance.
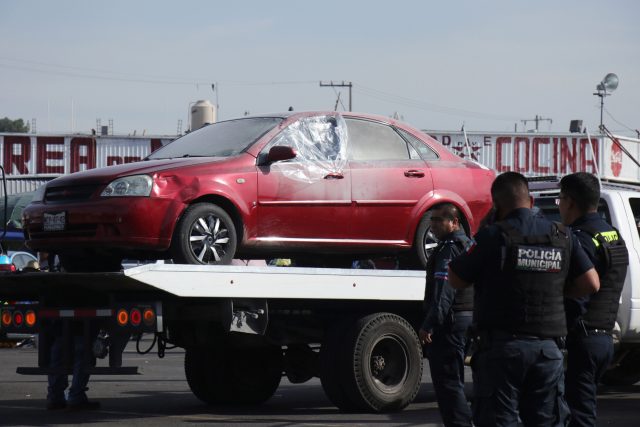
(598, 332)
(463, 313)
(506, 335)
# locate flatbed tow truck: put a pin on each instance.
(242, 327)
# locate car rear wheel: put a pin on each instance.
(425, 242)
(204, 235)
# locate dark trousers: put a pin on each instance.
(446, 362)
(519, 377)
(588, 358)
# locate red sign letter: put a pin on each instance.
(500, 141)
(17, 152)
(83, 152)
(42, 144)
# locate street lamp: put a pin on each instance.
(604, 88)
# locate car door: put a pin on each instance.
(306, 199)
(388, 179)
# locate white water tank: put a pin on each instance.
(202, 112)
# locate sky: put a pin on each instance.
(437, 65)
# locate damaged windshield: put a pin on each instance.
(222, 139)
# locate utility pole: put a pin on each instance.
(343, 84)
(538, 119)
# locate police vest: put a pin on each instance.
(602, 309)
(463, 300)
(536, 267)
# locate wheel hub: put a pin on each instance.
(377, 365)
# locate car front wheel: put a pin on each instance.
(204, 235)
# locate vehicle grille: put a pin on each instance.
(69, 194)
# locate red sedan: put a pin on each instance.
(303, 185)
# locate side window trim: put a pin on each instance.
(405, 135)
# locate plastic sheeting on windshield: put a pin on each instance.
(321, 146)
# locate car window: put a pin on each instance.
(222, 139)
(425, 151)
(321, 145)
(375, 141)
(635, 208)
(547, 207)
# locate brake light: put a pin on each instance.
(7, 267)
(149, 317)
(30, 318)
(18, 318)
(136, 317)
(6, 318)
(123, 317)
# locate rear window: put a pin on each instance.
(222, 139)
(546, 205)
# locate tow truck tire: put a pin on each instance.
(205, 234)
(232, 375)
(334, 365)
(424, 241)
(377, 365)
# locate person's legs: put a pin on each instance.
(588, 357)
(80, 376)
(542, 401)
(497, 375)
(57, 382)
(446, 362)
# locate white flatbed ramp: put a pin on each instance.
(281, 282)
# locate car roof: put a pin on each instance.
(551, 185)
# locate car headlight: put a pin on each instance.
(133, 186)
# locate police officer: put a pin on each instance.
(519, 266)
(448, 316)
(591, 319)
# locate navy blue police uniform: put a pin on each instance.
(519, 267)
(448, 316)
(591, 319)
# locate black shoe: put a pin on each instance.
(56, 406)
(87, 405)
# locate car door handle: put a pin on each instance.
(334, 175)
(413, 173)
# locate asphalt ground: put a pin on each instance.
(160, 396)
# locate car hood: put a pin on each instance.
(149, 167)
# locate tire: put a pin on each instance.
(334, 367)
(83, 264)
(233, 376)
(205, 234)
(424, 242)
(625, 373)
(377, 365)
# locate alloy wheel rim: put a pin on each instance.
(209, 239)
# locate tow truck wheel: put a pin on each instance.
(334, 364)
(377, 365)
(204, 235)
(425, 241)
(232, 375)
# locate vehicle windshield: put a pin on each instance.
(222, 139)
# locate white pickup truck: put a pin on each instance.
(619, 206)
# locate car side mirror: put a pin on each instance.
(279, 153)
